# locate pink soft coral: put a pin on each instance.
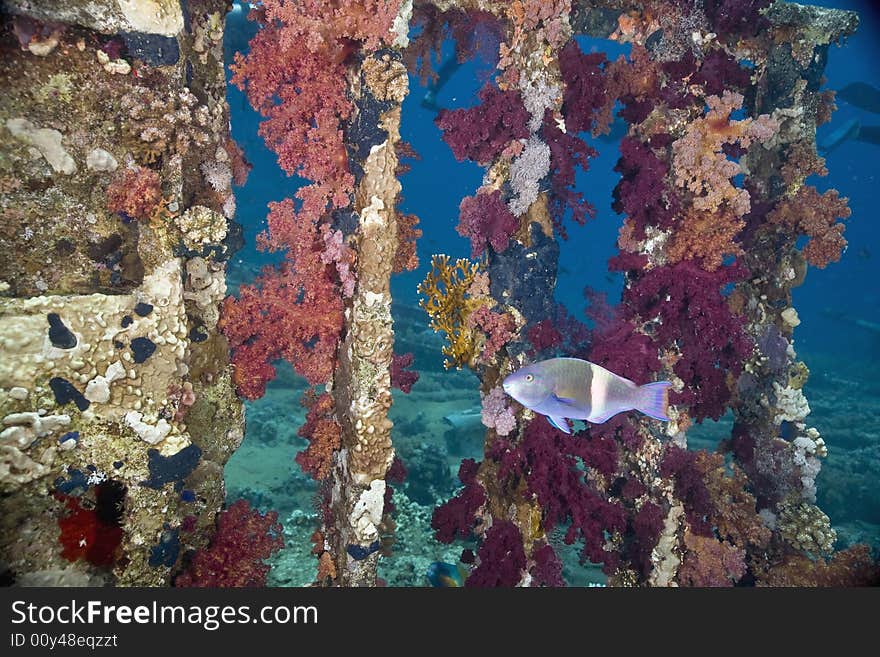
(700, 163)
(294, 313)
(496, 414)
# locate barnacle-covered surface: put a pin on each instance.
(117, 408)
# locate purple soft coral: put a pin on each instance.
(485, 220)
(502, 558)
(456, 516)
(693, 314)
(480, 133)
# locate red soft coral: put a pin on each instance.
(87, 534)
(323, 433)
(690, 311)
(456, 517)
(134, 193)
(401, 378)
(815, 215)
(235, 557)
(294, 313)
(585, 92)
(502, 558)
(567, 151)
(549, 462)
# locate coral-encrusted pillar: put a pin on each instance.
(362, 384)
(771, 437)
(523, 277)
(116, 402)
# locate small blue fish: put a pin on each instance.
(445, 575)
(563, 388)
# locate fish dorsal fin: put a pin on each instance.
(559, 422)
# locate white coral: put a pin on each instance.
(526, 173)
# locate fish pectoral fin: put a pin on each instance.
(559, 422)
(568, 401)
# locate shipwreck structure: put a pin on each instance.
(117, 392)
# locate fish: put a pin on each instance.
(445, 575)
(571, 388)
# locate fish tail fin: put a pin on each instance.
(653, 400)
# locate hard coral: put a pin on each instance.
(235, 556)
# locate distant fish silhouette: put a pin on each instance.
(861, 95)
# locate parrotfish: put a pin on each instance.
(445, 575)
(563, 388)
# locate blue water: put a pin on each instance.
(837, 306)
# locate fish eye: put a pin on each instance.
(530, 378)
